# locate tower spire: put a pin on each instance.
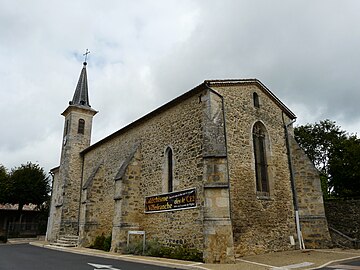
(81, 96)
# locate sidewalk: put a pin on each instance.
(309, 259)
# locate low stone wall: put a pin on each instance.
(344, 216)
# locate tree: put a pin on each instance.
(331, 149)
(3, 184)
(344, 168)
(28, 184)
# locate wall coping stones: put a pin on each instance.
(126, 163)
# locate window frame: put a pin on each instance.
(169, 159)
(256, 100)
(81, 126)
(260, 149)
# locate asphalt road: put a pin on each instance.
(346, 265)
(27, 257)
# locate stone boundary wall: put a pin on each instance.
(344, 216)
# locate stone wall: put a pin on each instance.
(218, 236)
(260, 223)
(310, 199)
(70, 171)
(344, 216)
(179, 127)
(96, 220)
(53, 227)
(210, 134)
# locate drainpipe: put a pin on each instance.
(293, 187)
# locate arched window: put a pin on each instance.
(261, 170)
(169, 167)
(81, 126)
(256, 100)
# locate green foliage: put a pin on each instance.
(3, 239)
(4, 182)
(156, 249)
(344, 168)
(99, 242)
(107, 243)
(26, 184)
(102, 243)
(134, 248)
(335, 154)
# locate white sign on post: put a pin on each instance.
(136, 233)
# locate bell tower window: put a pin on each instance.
(81, 126)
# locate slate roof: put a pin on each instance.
(81, 96)
(207, 84)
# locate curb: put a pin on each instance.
(126, 257)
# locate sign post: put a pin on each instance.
(136, 233)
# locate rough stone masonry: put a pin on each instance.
(223, 142)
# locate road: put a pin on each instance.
(25, 256)
(345, 265)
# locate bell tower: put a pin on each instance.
(76, 137)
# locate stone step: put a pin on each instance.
(62, 244)
(62, 241)
(66, 241)
(70, 237)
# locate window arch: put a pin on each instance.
(81, 126)
(256, 100)
(261, 166)
(169, 169)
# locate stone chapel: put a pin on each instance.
(216, 169)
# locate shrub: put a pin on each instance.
(102, 243)
(156, 249)
(3, 238)
(134, 248)
(107, 243)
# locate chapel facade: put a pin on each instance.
(216, 169)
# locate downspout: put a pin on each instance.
(292, 180)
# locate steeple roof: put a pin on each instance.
(81, 96)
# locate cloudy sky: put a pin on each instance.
(146, 52)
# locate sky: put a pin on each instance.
(145, 53)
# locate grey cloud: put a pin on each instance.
(306, 52)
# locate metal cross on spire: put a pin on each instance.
(86, 54)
